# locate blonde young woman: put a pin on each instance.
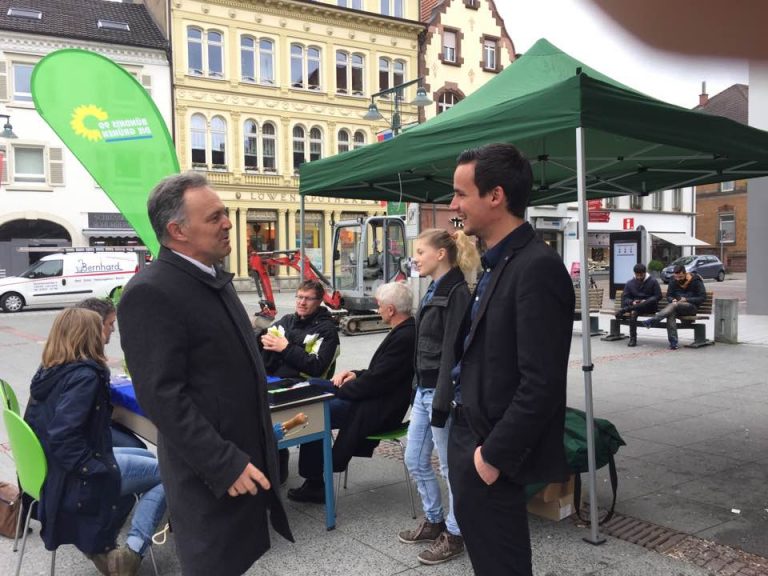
(448, 260)
(89, 488)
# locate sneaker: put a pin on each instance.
(310, 491)
(424, 532)
(446, 547)
(647, 323)
(632, 342)
(123, 562)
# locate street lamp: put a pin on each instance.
(421, 100)
(7, 128)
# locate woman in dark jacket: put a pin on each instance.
(89, 487)
(446, 260)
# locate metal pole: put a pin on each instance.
(301, 235)
(586, 344)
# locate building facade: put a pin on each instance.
(261, 87)
(47, 196)
(465, 45)
(721, 211)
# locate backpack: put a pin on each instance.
(607, 443)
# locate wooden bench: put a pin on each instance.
(684, 322)
(595, 303)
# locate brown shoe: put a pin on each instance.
(100, 561)
(123, 562)
(446, 547)
(424, 532)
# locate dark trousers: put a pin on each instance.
(671, 312)
(311, 453)
(493, 519)
(634, 310)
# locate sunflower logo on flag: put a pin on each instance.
(79, 117)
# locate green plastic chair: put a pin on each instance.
(395, 436)
(31, 467)
(8, 397)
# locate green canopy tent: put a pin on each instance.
(587, 137)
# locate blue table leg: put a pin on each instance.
(330, 504)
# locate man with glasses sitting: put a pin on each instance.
(303, 344)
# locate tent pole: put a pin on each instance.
(586, 344)
(301, 237)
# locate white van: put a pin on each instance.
(65, 279)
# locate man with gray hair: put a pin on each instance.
(199, 377)
(368, 401)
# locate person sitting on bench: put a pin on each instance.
(685, 294)
(641, 296)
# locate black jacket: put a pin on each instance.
(380, 395)
(435, 354)
(195, 365)
(69, 411)
(312, 345)
(515, 365)
(648, 290)
(694, 293)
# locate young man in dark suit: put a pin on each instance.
(510, 380)
(195, 364)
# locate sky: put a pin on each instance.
(583, 31)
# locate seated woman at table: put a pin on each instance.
(104, 307)
(89, 488)
(367, 401)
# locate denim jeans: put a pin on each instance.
(140, 475)
(422, 438)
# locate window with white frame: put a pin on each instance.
(28, 164)
(343, 141)
(208, 142)
(611, 202)
(257, 60)
(391, 74)
(392, 8)
(218, 143)
(298, 147)
(636, 202)
(349, 73)
(205, 53)
(269, 147)
(727, 186)
(250, 145)
(658, 200)
(359, 139)
(447, 99)
(449, 46)
(677, 200)
(315, 143)
(305, 67)
(727, 228)
(22, 79)
(490, 54)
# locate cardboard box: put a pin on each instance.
(554, 502)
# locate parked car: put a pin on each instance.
(704, 265)
(64, 279)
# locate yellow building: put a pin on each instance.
(261, 86)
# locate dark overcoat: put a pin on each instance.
(69, 412)
(514, 364)
(380, 395)
(194, 361)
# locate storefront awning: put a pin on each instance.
(109, 232)
(679, 239)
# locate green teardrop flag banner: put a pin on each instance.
(111, 125)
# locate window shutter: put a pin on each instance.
(3, 80)
(146, 81)
(3, 165)
(56, 166)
